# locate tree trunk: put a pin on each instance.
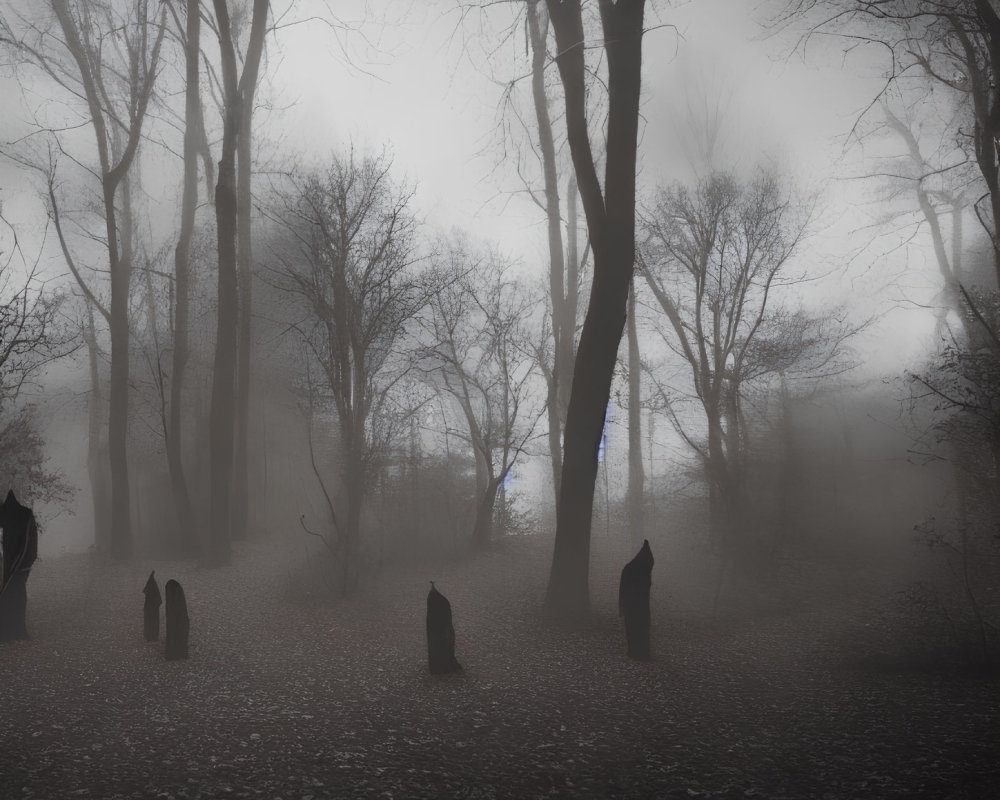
(186, 539)
(555, 429)
(244, 257)
(223, 375)
(559, 376)
(121, 534)
(223, 405)
(718, 479)
(611, 223)
(97, 451)
(636, 476)
(115, 158)
(482, 533)
(567, 320)
(354, 483)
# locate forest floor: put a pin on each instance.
(280, 700)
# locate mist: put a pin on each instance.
(404, 400)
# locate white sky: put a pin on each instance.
(437, 110)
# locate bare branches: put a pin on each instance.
(348, 252)
(713, 257)
(478, 348)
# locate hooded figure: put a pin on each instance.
(151, 610)
(633, 601)
(178, 624)
(440, 634)
(18, 548)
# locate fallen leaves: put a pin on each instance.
(277, 701)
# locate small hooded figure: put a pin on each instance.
(440, 634)
(633, 601)
(19, 548)
(178, 624)
(151, 610)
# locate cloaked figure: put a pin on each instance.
(151, 610)
(18, 551)
(178, 625)
(633, 601)
(440, 634)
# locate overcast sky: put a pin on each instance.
(427, 92)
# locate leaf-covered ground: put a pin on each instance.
(284, 701)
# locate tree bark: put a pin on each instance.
(223, 374)
(244, 259)
(115, 162)
(193, 124)
(558, 376)
(636, 476)
(482, 533)
(223, 404)
(611, 223)
(567, 319)
(97, 451)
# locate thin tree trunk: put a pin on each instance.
(115, 162)
(483, 529)
(636, 476)
(567, 320)
(223, 405)
(559, 376)
(193, 124)
(354, 483)
(244, 258)
(121, 536)
(555, 429)
(97, 451)
(223, 373)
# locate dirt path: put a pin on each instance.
(278, 701)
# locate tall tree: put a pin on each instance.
(715, 258)
(193, 135)
(610, 213)
(236, 94)
(349, 255)
(244, 262)
(635, 502)
(563, 264)
(112, 67)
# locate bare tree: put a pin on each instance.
(635, 502)
(715, 258)
(349, 254)
(954, 46)
(564, 266)
(479, 354)
(33, 334)
(237, 91)
(610, 213)
(194, 134)
(113, 56)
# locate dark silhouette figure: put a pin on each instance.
(440, 634)
(19, 550)
(178, 624)
(151, 610)
(633, 600)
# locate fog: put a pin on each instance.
(296, 314)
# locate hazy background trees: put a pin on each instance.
(478, 351)
(275, 339)
(351, 257)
